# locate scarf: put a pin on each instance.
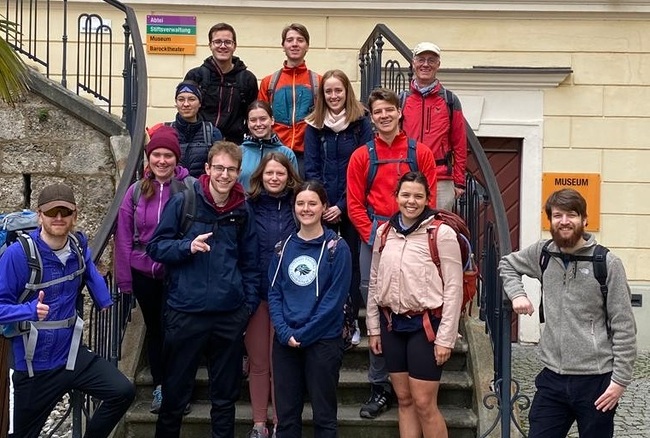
(336, 122)
(235, 198)
(424, 90)
(396, 221)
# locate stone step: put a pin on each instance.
(461, 422)
(353, 389)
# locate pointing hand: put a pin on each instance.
(199, 245)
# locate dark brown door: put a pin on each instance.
(504, 155)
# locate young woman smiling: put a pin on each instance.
(260, 141)
(338, 125)
(398, 304)
(271, 198)
(310, 277)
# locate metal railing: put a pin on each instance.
(95, 44)
(482, 208)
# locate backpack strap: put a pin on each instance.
(34, 262)
(544, 258)
(207, 133)
(135, 198)
(600, 272)
(383, 237)
(373, 162)
(273, 84)
(411, 155)
(432, 233)
(403, 96)
(189, 205)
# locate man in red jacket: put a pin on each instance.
(433, 116)
(373, 173)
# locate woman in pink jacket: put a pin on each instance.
(406, 292)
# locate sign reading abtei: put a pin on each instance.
(588, 184)
(171, 34)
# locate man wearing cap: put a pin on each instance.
(48, 360)
(433, 115)
(195, 135)
(228, 87)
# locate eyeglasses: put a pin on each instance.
(429, 61)
(225, 43)
(218, 168)
(53, 212)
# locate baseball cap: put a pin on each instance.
(426, 47)
(56, 195)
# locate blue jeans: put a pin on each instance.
(377, 372)
(562, 399)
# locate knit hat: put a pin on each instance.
(164, 137)
(56, 195)
(188, 87)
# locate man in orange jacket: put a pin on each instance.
(291, 91)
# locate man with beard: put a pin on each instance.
(588, 347)
(227, 86)
(48, 358)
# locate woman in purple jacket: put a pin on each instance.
(137, 219)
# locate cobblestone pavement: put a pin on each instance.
(633, 413)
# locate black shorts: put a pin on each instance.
(410, 352)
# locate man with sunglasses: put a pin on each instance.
(228, 87)
(213, 279)
(433, 115)
(48, 360)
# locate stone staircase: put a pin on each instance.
(456, 398)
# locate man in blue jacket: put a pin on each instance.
(213, 279)
(48, 360)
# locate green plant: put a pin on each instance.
(43, 115)
(13, 71)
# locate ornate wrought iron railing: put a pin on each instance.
(385, 61)
(95, 43)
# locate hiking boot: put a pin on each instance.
(379, 401)
(157, 400)
(258, 433)
(188, 409)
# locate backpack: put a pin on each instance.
(208, 132)
(599, 261)
(14, 224)
(374, 161)
(349, 320)
(448, 97)
(273, 84)
(189, 205)
(470, 270)
(29, 329)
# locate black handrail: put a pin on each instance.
(482, 200)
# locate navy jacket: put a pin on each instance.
(309, 285)
(327, 154)
(275, 222)
(220, 280)
(194, 144)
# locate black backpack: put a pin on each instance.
(599, 260)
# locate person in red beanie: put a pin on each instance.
(137, 219)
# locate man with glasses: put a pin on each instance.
(228, 87)
(433, 116)
(213, 279)
(42, 275)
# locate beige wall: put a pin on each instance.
(597, 120)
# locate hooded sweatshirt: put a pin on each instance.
(225, 96)
(574, 339)
(309, 285)
(147, 213)
(254, 149)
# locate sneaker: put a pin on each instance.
(379, 401)
(258, 433)
(188, 409)
(157, 400)
(356, 336)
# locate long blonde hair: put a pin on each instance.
(354, 110)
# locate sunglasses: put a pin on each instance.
(53, 212)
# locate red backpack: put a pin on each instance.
(470, 270)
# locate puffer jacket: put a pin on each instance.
(195, 142)
(404, 278)
(275, 222)
(327, 154)
(574, 339)
(147, 214)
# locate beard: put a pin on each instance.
(571, 240)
